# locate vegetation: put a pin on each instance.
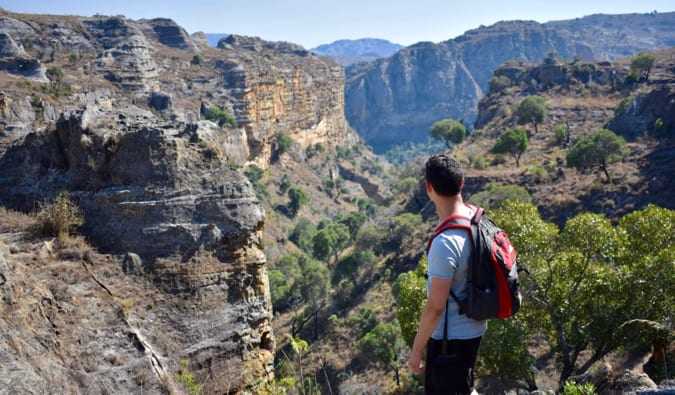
(449, 131)
(221, 117)
(583, 282)
(532, 109)
(499, 84)
(298, 198)
(597, 149)
(60, 218)
(513, 142)
(186, 378)
(642, 64)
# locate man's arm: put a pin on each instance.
(431, 314)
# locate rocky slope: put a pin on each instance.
(394, 100)
(113, 111)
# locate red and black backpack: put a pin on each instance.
(492, 281)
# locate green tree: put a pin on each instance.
(330, 240)
(298, 198)
(642, 64)
(55, 75)
(302, 235)
(504, 353)
(499, 84)
(383, 344)
(597, 149)
(532, 109)
(411, 294)
(494, 195)
(513, 142)
(400, 227)
(221, 117)
(449, 131)
(586, 283)
(284, 143)
(353, 221)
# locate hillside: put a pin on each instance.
(395, 100)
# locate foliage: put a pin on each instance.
(504, 354)
(513, 142)
(284, 143)
(330, 240)
(499, 84)
(285, 281)
(494, 195)
(642, 64)
(186, 378)
(598, 148)
(349, 266)
(410, 293)
(623, 105)
(197, 59)
(398, 228)
(449, 131)
(353, 221)
(298, 198)
(383, 344)
(532, 109)
(60, 218)
(572, 388)
(585, 281)
(254, 173)
(363, 322)
(302, 235)
(560, 133)
(221, 117)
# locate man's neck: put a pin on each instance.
(450, 205)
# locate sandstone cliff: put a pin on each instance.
(394, 100)
(113, 111)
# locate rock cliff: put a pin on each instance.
(120, 123)
(395, 100)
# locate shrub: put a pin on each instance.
(197, 59)
(186, 378)
(221, 117)
(479, 163)
(499, 84)
(284, 143)
(59, 218)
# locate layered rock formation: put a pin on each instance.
(397, 99)
(123, 131)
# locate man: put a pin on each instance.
(448, 260)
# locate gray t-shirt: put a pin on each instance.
(448, 259)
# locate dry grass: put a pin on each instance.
(14, 221)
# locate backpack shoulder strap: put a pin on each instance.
(452, 222)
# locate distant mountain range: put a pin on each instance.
(348, 52)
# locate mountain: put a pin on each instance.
(348, 52)
(395, 100)
(150, 132)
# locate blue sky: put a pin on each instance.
(314, 22)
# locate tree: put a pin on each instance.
(513, 142)
(383, 344)
(298, 199)
(330, 240)
(642, 64)
(55, 75)
(449, 131)
(586, 282)
(598, 148)
(499, 84)
(532, 109)
(411, 294)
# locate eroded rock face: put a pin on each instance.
(162, 193)
(396, 100)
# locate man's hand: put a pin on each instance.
(415, 362)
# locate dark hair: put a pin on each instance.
(445, 174)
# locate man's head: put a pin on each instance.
(444, 174)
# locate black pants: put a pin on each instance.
(452, 373)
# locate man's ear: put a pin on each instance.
(429, 187)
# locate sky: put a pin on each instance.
(314, 22)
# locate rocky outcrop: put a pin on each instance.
(167, 32)
(14, 60)
(160, 188)
(127, 55)
(396, 100)
(162, 193)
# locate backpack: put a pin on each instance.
(492, 281)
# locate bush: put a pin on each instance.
(284, 143)
(221, 117)
(60, 218)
